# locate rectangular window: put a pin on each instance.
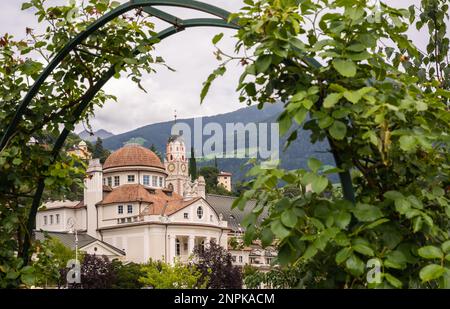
(128, 220)
(233, 258)
(104, 181)
(160, 182)
(177, 248)
(146, 180)
(51, 219)
(186, 215)
(45, 220)
(110, 181)
(116, 181)
(57, 219)
(240, 259)
(130, 209)
(120, 209)
(122, 220)
(154, 181)
(130, 178)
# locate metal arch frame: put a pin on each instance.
(177, 26)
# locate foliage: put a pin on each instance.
(97, 272)
(99, 152)
(161, 275)
(127, 275)
(27, 160)
(51, 256)
(275, 278)
(375, 98)
(216, 267)
(156, 151)
(192, 165)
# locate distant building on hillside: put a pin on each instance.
(224, 180)
(81, 151)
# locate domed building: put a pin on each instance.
(137, 208)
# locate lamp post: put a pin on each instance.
(72, 229)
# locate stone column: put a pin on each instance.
(171, 252)
(191, 244)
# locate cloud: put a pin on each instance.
(190, 52)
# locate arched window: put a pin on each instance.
(200, 212)
(171, 157)
(177, 247)
(170, 186)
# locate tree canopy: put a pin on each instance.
(382, 104)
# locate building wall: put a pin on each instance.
(108, 178)
(225, 181)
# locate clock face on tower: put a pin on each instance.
(183, 167)
(171, 167)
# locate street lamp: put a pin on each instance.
(72, 229)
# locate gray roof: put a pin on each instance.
(222, 205)
(68, 239)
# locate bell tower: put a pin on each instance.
(176, 164)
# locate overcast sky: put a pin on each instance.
(189, 52)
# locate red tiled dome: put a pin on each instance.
(133, 155)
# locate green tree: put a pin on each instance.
(99, 151)
(193, 165)
(51, 256)
(383, 108)
(27, 160)
(127, 275)
(161, 275)
(156, 151)
(210, 174)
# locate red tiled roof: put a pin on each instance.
(133, 155)
(159, 201)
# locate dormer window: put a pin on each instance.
(130, 178)
(116, 181)
(186, 215)
(154, 181)
(200, 212)
(120, 209)
(130, 209)
(110, 181)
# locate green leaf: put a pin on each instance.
(319, 184)
(338, 130)
(446, 246)
(343, 255)
(26, 6)
(217, 38)
(367, 213)
(263, 63)
(430, 252)
(346, 68)
(393, 281)
(314, 164)
(325, 122)
(363, 249)
(266, 237)
(332, 99)
(279, 230)
(355, 265)
(408, 143)
(393, 195)
(342, 219)
(300, 115)
(431, 272)
(352, 96)
(288, 218)
(310, 252)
